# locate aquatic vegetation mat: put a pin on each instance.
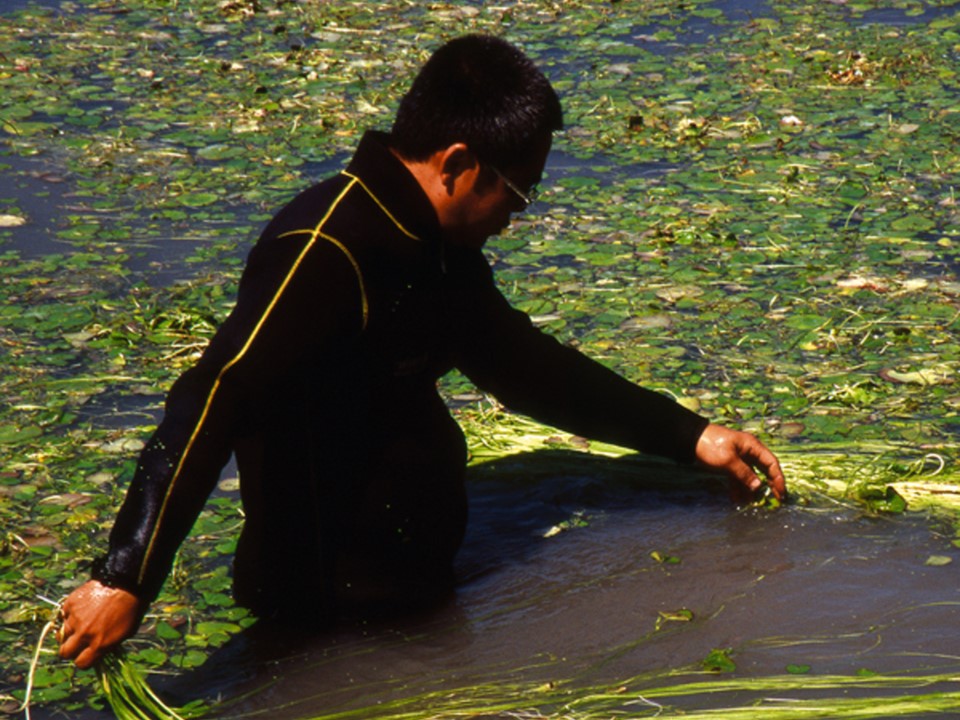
(780, 697)
(753, 212)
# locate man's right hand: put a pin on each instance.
(97, 618)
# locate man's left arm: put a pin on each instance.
(532, 373)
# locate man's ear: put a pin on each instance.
(457, 163)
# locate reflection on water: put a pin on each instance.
(826, 587)
(698, 29)
(11, 6)
(901, 17)
(40, 191)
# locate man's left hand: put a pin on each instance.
(740, 455)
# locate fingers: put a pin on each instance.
(745, 475)
(81, 652)
(88, 658)
(778, 483)
(81, 648)
(70, 641)
(761, 457)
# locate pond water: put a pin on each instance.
(10, 6)
(827, 588)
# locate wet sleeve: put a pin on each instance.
(532, 373)
(296, 295)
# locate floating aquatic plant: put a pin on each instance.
(122, 684)
(130, 695)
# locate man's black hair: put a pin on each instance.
(482, 91)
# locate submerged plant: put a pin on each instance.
(122, 684)
(780, 697)
(131, 697)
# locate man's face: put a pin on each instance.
(495, 194)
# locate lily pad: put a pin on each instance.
(929, 376)
(719, 661)
(12, 435)
(12, 220)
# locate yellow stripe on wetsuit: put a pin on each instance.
(383, 207)
(315, 234)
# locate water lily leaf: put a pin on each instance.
(806, 322)
(679, 292)
(27, 128)
(826, 426)
(938, 560)
(123, 445)
(212, 627)
(165, 631)
(151, 656)
(857, 282)
(913, 223)
(929, 376)
(886, 500)
(719, 660)
(82, 231)
(11, 435)
(198, 199)
(646, 322)
(221, 152)
(12, 220)
(189, 659)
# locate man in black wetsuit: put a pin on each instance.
(358, 296)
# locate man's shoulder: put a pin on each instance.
(308, 208)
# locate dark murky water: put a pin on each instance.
(826, 588)
(14, 5)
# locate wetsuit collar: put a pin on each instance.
(390, 181)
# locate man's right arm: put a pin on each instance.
(278, 318)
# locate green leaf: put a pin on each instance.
(719, 660)
(150, 656)
(198, 199)
(886, 500)
(11, 435)
(165, 631)
(212, 626)
(682, 615)
(913, 223)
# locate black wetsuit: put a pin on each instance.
(323, 382)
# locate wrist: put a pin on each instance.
(101, 573)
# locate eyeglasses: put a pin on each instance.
(528, 197)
